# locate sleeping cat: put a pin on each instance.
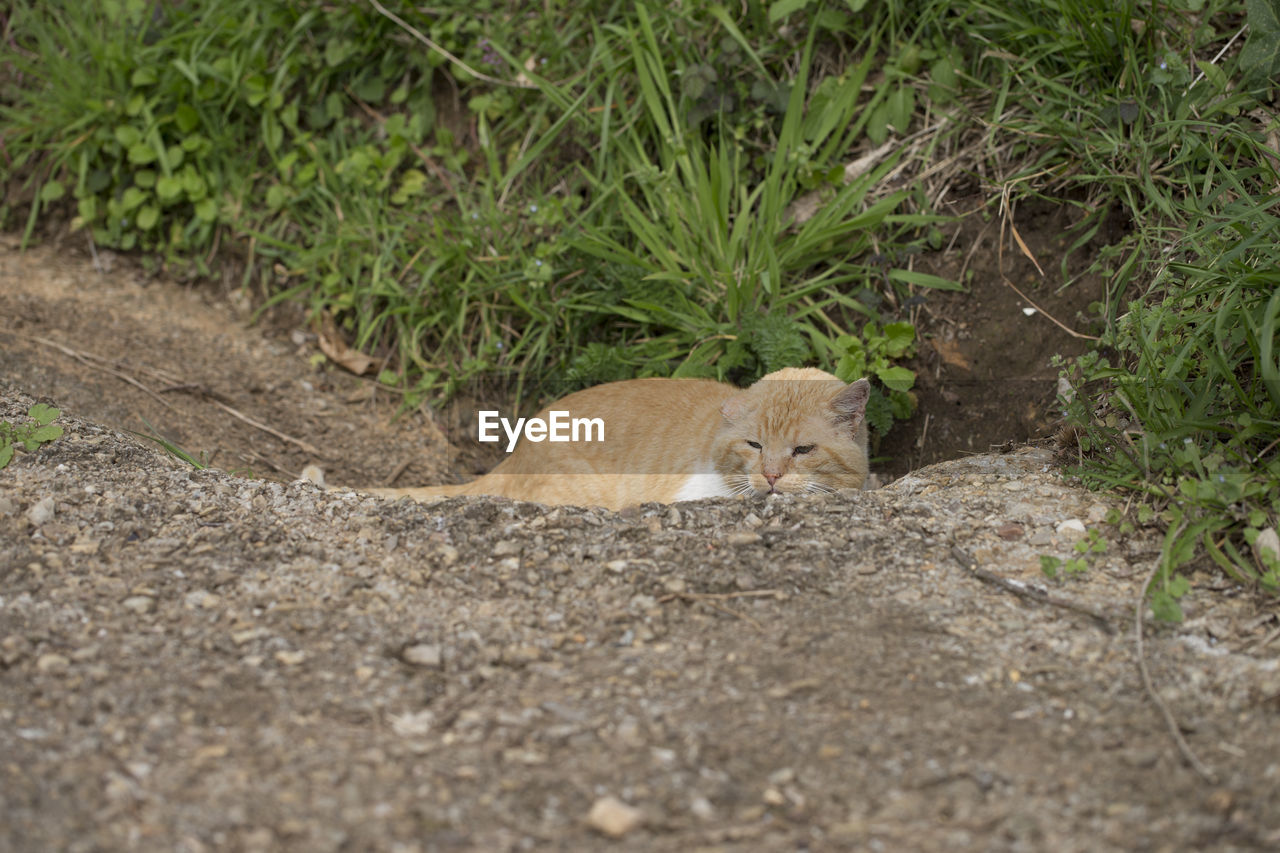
(665, 440)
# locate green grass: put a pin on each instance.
(563, 194)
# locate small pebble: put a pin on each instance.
(743, 537)
(1071, 529)
(1267, 545)
(52, 663)
(1009, 531)
(139, 603)
(614, 818)
(423, 654)
(41, 512)
(506, 548)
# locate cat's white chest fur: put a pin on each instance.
(704, 484)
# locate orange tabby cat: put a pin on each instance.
(665, 440)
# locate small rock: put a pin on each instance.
(752, 521)
(673, 517)
(701, 808)
(447, 555)
(614, 818)
(291, 658)
(1141, 757)
(506, 548)
(782, 776)
(52, 663)
(12, 648)
(616, 566)
(1220, 802)
(743, 537)
(521, 653)
(1096, 513)
(139, 603)
(413, 723)
(1009, 531)
(85, 653)
(41, 511)
(423, 654)
(1267, 545)
(1071, 529)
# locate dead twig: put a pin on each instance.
(99, 363)
(304, 445)
(395, 475)
(94, 362)
(1264, 642)
(1070, 331)
(1172, 724)
(1006, 221)
(1037, 595)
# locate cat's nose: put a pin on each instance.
(772, 478)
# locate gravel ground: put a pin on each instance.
(194, 661)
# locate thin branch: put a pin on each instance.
(307, 446)
(93, 362)
(395, 475)
(1072, 332)
(1037, 595)
(99, 363)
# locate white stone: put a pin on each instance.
(423, 654)
(41, 511)
(1071, 529)
(614, 818)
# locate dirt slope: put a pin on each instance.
(191, 660)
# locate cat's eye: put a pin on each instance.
(802, 449)
(755, 444)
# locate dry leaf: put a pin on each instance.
(950, 353)
(332, 345)
(1025, 250)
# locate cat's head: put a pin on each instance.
(796, 430)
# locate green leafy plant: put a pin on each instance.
(727, 274)
(873, 355)
(1084, 552)
(1260, 58)
(29, 436)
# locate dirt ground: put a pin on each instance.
(196, 660)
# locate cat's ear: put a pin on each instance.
(734, 408)
(851, 403)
